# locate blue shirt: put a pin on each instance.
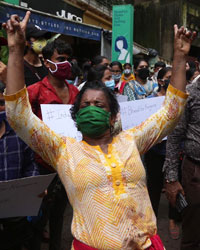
(135, 91)
(16, 158)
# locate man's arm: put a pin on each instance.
(173, 161)
(174, 146)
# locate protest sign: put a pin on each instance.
(135, 112)
(20, 197)
(58, 118)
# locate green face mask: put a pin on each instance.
(93, 121)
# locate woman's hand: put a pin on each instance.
(182, 40)
(16, 32)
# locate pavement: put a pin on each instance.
(162, 229)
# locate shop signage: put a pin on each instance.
(122, 33)
(58, 8)
(56, 25)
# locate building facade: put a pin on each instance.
(154, 22)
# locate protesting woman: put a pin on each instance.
(103, 175)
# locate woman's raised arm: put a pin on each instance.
(29, 127)
(182, 43)
(160, 124)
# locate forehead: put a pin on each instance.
(127, 66)
(168, 74)
(115, 67)
(107, 72)
(56, 55)
(105, 61)
(143, 63)
(94, 95)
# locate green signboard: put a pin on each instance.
(122, 33)
(16, 2)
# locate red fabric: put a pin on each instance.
(156, 243)
(122, 87)
(155, 240)
(43, 92)
(81, 246)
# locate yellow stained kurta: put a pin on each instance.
(108, 192)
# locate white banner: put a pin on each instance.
(20, 197)
(58, 117)
(135, 112)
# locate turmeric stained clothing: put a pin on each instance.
(108, 192)
(127, 79)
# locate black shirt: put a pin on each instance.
(34, 74)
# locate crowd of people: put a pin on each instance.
(112, 179)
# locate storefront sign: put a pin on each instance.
(16, 2)
(58, 8)
(122, 33)
(55, 24)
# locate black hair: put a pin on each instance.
(85, 69)
(160, 64)
(137, 63)
(96, 73)
(192, 65)
(189, 73)
(75, 70)
(98, 60)
(61, 46)
(163, 72)
(96, 85)
(127, 64)
(114, 63)
(2, 88)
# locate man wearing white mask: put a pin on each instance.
(36, 39)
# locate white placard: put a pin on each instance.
(122, 98)
(58, 118)
(135, 112)
(20, 197)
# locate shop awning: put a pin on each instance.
(52, 23)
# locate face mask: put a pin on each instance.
(167, 82)
(70, 81)
(62, 70)
(2, 116)
(127, 71)
(2, 105)
(38, 45)
(116, 77)
(143, 73)
(93, 121)
(110, 84)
